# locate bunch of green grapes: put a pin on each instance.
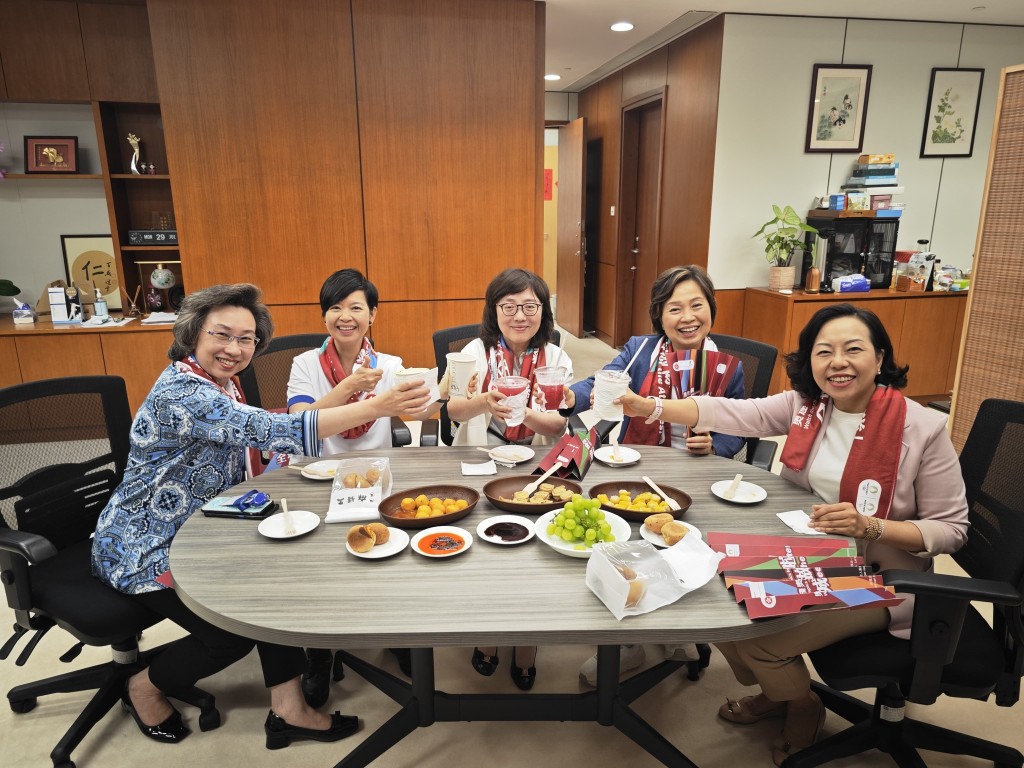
(581, 520)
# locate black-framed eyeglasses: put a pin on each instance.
(253, 498)
(247, 342)
(530, 308)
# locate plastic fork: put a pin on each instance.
(672, 503)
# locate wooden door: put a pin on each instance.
(571, 244)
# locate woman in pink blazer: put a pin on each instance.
(883, 465)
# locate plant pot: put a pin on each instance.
(780, 278)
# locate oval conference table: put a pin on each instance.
(309, 591)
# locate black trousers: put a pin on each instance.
(207, 649)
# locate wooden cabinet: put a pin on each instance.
(41, 50)
(118, 52)
(924, 328)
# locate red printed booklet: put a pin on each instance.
(778, 575)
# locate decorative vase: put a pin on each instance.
(781, 278)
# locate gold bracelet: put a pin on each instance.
(873, 529)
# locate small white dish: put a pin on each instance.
(620, 529)
(513, 454)
(302, 522)
(320, 470)
(442, 532)
(397, 541)
(525, 522)
(627, 456)
(655, 538)
(746, 493)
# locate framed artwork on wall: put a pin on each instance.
(839, 107)
(51, 154)
(952, 116)
(88, 262)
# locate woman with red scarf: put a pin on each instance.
(514, 340)
(886, 471)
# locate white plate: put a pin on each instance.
(397, 541)
(320, 470)
(628, 456)
(514, 454)
(450, 529)
(656, 539)
(526, 522)
(746, 493)
(302, 521)
(620, 529)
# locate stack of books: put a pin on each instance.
(777, 575)
(872, 184)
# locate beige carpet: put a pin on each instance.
(683, 711)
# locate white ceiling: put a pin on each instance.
(582, 49)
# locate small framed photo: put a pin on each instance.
(952, 117)
(51, 154)
(839, 107)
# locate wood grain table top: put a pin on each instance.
(309, 591)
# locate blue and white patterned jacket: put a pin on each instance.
(188, 444)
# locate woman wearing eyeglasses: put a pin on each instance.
(191, 440)
(515, 340)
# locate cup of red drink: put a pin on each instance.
(517, 393)
(551, 381)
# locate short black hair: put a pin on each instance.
(798, 362)
(665, 284)
(516, 281)
(345, 282)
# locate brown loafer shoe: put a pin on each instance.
(798, 733)
(741, 712)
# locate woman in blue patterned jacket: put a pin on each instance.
(191, 440)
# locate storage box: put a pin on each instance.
(837, 202)
(882, 158)
(858, 201)
(880, 201)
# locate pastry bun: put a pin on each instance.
(656, 522)
(380, 532)
(673, 531)
(637, 590)
(361, 538)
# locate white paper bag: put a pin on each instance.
(351, 502)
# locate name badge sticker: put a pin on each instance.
(683, 365)
(868, 494)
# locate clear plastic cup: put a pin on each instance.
(517, 393)
(609, 385)
(461, 365)
(550, 381)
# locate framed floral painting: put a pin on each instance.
(952, 117)
(839, 107)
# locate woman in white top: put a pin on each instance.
(345, 369)
(514, 340)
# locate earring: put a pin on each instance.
(879, 372)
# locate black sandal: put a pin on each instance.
(523, 678)
(485, 665)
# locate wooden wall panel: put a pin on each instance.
(406, 328)
(257, 98)
(118, 52)
(646, 75)
(290, 319)
(41, 49)
(691, 123)
(729, 318)
(138, 358)
(450, 124)
(10, 371)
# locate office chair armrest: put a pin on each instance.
(924, 584)
(400, 433)
(764, 454)
(429, 432)
(30, 546)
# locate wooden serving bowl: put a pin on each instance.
(506, 486)
(391, 511)
(634, 489)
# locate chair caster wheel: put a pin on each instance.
(209, 721)
(338, 671)
(23, 705)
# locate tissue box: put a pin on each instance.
(851, 284)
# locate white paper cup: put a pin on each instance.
(608, 385)
(419, 374)
(461, 365)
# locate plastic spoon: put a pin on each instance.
(286, 519)
(735, 484)
(672, 503)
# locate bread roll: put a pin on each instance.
(627, 573)
(380, 532)
(361, 538)
(656, 522)
(673, 531)
(637, 589)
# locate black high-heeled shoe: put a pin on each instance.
(280, 733)
(523, 678)
(170, 731)
(485, 665)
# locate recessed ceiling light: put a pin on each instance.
(552, 77)
(621, 26)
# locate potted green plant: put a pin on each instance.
(783, 235)
(7, 288)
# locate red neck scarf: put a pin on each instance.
(189, 365)
(330, 362)
(874, 455)
(501, 362)
(672, 375)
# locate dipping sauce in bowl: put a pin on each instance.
(507, 531)
(442, 542)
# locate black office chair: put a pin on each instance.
(265, 381)
(952, 650)
(758, 363)
(453, 340)
(63, 451)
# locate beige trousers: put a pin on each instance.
(776, 663)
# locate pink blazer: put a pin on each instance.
(929, 487)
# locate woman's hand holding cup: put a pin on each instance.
(406, 397)
(634, 405)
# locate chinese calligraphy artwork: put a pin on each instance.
(89, 265)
